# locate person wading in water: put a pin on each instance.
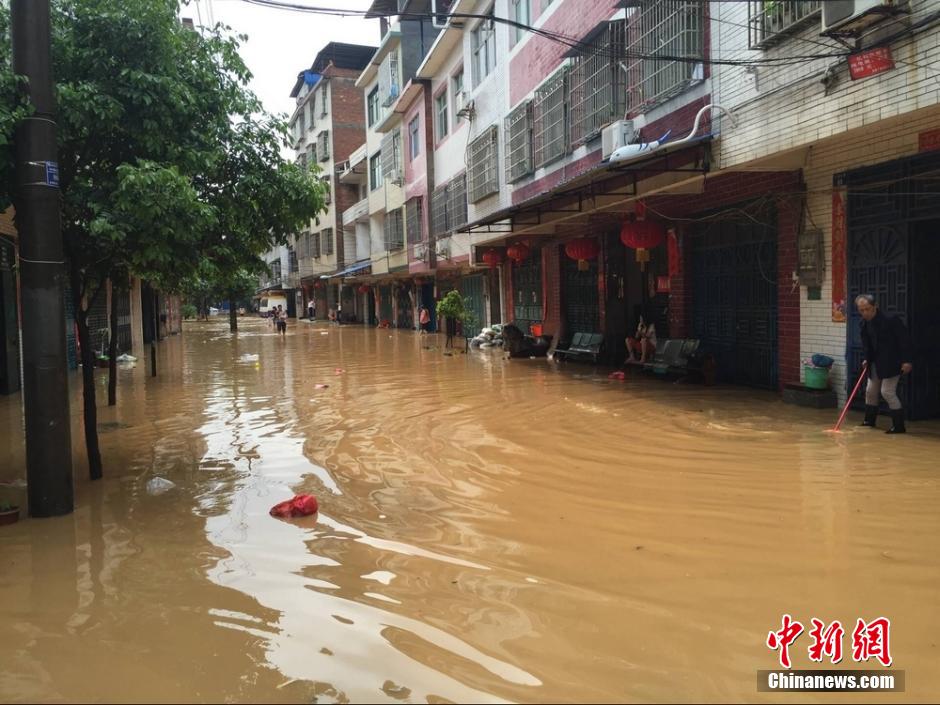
(887, 352)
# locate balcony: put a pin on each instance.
(359, 213)
(772, 21)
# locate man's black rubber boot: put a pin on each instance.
(897, 421)
(871, 414)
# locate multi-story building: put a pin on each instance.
(327, 126)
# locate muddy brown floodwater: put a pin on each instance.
(489, 531)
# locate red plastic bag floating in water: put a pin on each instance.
(617, 375)
(300, 506)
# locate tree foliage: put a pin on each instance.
(169, 168)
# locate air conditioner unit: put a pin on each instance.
(615, 136)
(340, 167)
(440, 10)
(395, 177)
(849, 17)
(421, 252)
(460, 99)
(442, 250)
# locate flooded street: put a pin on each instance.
(488, 531)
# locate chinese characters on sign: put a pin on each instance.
(838, 255)
(869, 640)
(870, 63)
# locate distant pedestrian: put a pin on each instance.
(339, 313)
(310, 309)
(888, 354)
(424, 318)
(281, 320)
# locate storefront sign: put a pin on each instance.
(838, 255)
(870, 63)
(928, 141)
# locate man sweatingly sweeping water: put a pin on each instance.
(887, 352)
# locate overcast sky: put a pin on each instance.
(281, 43)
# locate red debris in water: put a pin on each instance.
(300, 506)
(617, 375)
(339, 370)
(320, 386)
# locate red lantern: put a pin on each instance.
(363, 289)
(318, 285)
(582, 249)
(642, 235)
(492, 258)
(518, 252)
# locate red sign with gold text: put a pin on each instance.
(838, 256)
(928, 141)
(870, 63)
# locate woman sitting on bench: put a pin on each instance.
(642, 344)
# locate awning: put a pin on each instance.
(599, 190)
(357, 267)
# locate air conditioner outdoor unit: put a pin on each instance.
(395, 177)
(460, 99)
(847, 17)
(615, 136)
(421, 252)
(442, 250)
(340, 167)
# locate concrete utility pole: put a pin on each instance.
(45, 365)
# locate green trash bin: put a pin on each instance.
(816, 377)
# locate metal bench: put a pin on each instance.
(673, 356)
(582, 345)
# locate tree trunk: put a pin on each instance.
(112, 348)
(153, 338)
(88, 385)
(232, 315)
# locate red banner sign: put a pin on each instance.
(838, 256)
(870, 63)
(928, 141)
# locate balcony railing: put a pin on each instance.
(357, 213)
(771, 21)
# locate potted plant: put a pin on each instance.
(9, 513)
(454, 309)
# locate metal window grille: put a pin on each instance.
(292, 260)
(389, 85)
(275, 271)
(325, 93)
(665, 42)
(391, 156)
(323, 146)
(328, 191)
(518, 129)
(597, 84)
(457, 202)
(439, 203)
(394, 230)
(771, 22)
(414, 216)
(326, 237)
(549, 116)
(483, 165)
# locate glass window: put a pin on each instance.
(414, 138)
(484, 49)
(375, 171)
(520, 15)
(456, 90)
(373, 106)
(440, 111)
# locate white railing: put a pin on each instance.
(357, 212)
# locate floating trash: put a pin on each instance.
(159, 485)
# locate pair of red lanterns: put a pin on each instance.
(636, 233)
(517, 253)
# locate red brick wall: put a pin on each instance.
(559, 176)
(540, 56)
(347, 107)
(726, 191)
(680, 121)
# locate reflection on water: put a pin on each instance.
(489, 531)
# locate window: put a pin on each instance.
(772, 22)
(315, 245)
(440, 114)
(292, 260)
(520, 15)
(323, 146)
(518, 129)
(275, 271)
(311, 116)
(597, 83)
(449, 206)
(414, 138)
(389, 83)
(549, 113)
(483, 165)
(414, 215)
(391, 157)
(301, 122)
(324, 97)
(668, 29)
(373, 104)
(375, 171)
(328, 190)
(394, 230)
(326, 239)
(483, 43)
(456, 91)
(311, 155)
